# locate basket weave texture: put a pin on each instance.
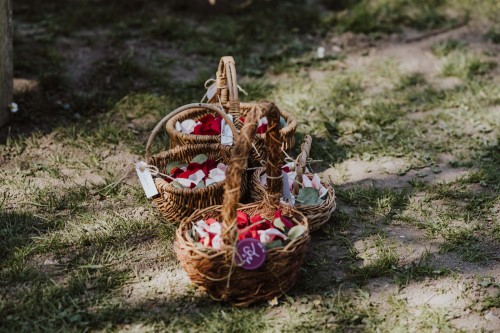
(215, 270)
(177, 203)
(317, 215)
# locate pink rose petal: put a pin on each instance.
(306, 181)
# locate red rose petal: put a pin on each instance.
(197, 129)
(256, 218)
(286, 222)
(208, 165)
(186, 174)
(242, 219)
(262, 129)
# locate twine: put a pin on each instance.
(218, 87)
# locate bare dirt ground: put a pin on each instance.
(413, 245)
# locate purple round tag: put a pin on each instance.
(251, 253)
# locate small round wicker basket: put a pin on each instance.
(177, 203)
(227, 91)
(317, 215)
(215, 271)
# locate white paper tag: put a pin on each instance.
(226, 137)
(211, 91)
(146, 179)
(286, 188)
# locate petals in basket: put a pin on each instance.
(268, 235)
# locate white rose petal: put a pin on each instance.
(184, 182)
(217, 242)
(268, 235)
(209, 181)
(200, 228)
(217, 175)
(188, 125)
(215, 228)
(178, 126)
(197, 176)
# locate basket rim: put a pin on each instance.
(331, 191)
(212, 253)
(171, 130)
(166, 187)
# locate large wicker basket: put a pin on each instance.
(227, 91)
(317, 215)
(215, 270)
(178, 203)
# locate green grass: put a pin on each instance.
(81, 253)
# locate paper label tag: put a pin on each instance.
(146, 179)
(226, 137)
(211, 91)
(251, 253)
(286, 186)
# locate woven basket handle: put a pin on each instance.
(211, 107)
(300, 162)
(227, 84)
(239, 160)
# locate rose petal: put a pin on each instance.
(178, 126)
(217, 175)
(197, 176)
(217, 242)
(306, 181)
(256, 218)
(188, 125)
(209, 181)
(289, 165)
(185, 182)
(316, 182)
(269, 235)
(211, 220)
(208, 165)
(242, 219)
(286, 222)
(215, 228)
(222, 166)
(262, 129)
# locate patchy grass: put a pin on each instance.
(416, 158)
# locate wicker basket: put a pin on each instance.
(178, 203)
(317, 215)
(215, 270)
(227, 91)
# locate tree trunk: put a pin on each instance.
(5, 60)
